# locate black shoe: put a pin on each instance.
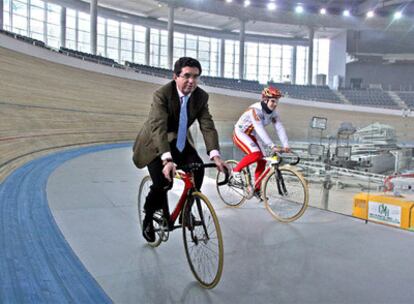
(258, 194)
(148, 229)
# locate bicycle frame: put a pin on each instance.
(274, 161)
(189, 186)
(264, 173)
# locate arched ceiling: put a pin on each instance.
(283, 22)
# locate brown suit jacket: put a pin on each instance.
(161, 127)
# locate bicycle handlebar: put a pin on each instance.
(282, 156)
(196, 166)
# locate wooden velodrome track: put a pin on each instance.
(46, 106)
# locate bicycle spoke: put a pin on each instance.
(232, 195)
(286, 195)
(203, 241)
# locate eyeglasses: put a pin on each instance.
(187, 76)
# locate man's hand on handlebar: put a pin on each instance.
(221, 165)
(169, 170)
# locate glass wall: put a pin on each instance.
(6, 15)
(231, 59)
(123, 41)
(205, 49)
(321, 57)
(301, 65)
(33, 18)
(139, 44)
(52, 24)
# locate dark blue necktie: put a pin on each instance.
(182, 125)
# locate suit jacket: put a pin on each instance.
(161, 127)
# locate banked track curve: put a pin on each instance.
(36, 263)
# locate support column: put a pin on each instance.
(147, 45)
(293, 68)
(222, 57)
(94, 25)
(170, 36)
(62, 27)
(1, 14)
(337, 61)
(310, 55)
(241, 48)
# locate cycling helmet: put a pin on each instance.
(271, 92)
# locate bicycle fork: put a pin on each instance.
(192, 222)
(281, 187)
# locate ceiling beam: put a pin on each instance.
(368, 5)
(284, 17)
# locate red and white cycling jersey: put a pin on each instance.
(253, 122)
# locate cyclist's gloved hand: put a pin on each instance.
(169, 170)
(286, 149)
(221, 165)
(274, 149)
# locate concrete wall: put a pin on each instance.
(380, 42)
(398, 76)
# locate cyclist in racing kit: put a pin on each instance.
(251, 126)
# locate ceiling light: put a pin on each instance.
(323, 11)
(346, 13)
(299, 9)
(229, 1)
(246, 3)
(370, 14)
(271, 6)
(397, 15)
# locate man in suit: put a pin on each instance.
(164, 140)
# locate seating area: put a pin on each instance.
(89, 57)
(408, 98)
(308, 92)
(150, 70)
(233, 84)
(25, 39)
(369, 97)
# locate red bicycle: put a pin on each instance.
(203, 241)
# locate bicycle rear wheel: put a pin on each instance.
(231, 194)
(144, 189)
(203, 242)
(285, 198)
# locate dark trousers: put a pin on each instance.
(157, 196)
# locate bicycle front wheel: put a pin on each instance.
(144, 189)
(286, 197)
(203, 242)
(232, 194)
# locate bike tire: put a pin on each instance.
(144, 188)
(203, 241)
(230, 194)
(290, 206)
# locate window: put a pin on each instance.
(286, 63)
(321, 57)
(264, 63)
(6, 15)
(139, 44)
(301, 65)
(251, 60)
(53, 25)
(231, 59)
(19, 12)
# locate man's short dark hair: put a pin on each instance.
(186, 62)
